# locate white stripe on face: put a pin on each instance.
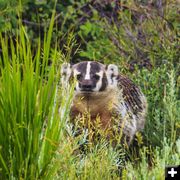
(88, 68)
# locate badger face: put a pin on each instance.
(91, 76)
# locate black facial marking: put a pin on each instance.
(95, 68)
(104, 83)
(81, 67)
(79, 77)
(96, 77)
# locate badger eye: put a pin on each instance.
(78, 76)
(96, 77)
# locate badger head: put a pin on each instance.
(91, 76)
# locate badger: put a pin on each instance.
(105, 93)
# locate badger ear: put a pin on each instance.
(65, 73)
(112, 73)
(112, 70)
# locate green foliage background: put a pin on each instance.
(37, 36)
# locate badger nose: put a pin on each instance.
(86, 85)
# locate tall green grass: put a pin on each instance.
(30, 122)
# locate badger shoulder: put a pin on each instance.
(132, 101)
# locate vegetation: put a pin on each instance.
(36, 138)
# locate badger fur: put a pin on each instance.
(105, 93)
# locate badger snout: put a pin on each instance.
(86, 85)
